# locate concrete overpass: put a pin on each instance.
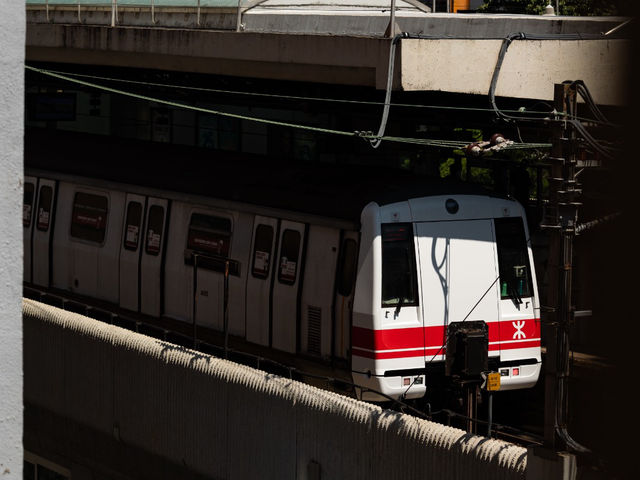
(343, 42)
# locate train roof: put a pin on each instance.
(328, 190)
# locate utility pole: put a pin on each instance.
(561, 218)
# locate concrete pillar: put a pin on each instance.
(12, 35)
(545, 464)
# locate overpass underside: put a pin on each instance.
(440, 52)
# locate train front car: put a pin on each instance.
(427, 263)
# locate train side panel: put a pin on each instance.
(62, 276)
(30, 201)
(43, 233)
(345, 290)
(153, 254)
(87, 241)
(130, 252)
(197, 236)
(316, 322)
(260, 278)
(284, 307)
(367, 295)
(240, 252)
(178, 280)
(109, 253)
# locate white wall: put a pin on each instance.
(12, 35)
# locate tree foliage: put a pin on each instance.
(567, 7)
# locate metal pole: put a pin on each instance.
(392, 29)
(490, 415)
(226, 307)
(472, 391)
(195, 298)
(113, 12)
(239, 17)
(564, 207)
(553, 317)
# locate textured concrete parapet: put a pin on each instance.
(225, 420)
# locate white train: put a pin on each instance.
(375, 290)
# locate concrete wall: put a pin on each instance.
(529, 70)
(12, 38)
(95, 393)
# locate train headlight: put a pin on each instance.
(451, 205)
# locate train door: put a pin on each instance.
(260, 279)
(284, 303)
(42, 235)
(209, 237)
(95, 232)
(28, 208)
(151, 272)
(459, 278)
(130, 248)
(345, 287)
(316, 316)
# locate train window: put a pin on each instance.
(347, 267)
(262, 251)
(132, 225)
(399, 281)
(289, 257)
(27, 204)
(513, 258)
(209, 234)
(154, 230)
(44, 208)
(89, 217)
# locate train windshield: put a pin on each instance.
(513, 258)
(399, 283)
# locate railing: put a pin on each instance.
(234, 10)
(153, 7)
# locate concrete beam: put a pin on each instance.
(313, 58)
(530, 67)
(529, 70)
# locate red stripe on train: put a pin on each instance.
(427, 352)
(417, 337)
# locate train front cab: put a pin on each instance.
(428, 262)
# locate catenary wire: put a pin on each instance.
(287, 97)
(447, 144)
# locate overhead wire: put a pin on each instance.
(447, 144)
(283, 96)
(582, 90)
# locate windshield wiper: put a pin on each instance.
(398, 307)
(515, 296)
